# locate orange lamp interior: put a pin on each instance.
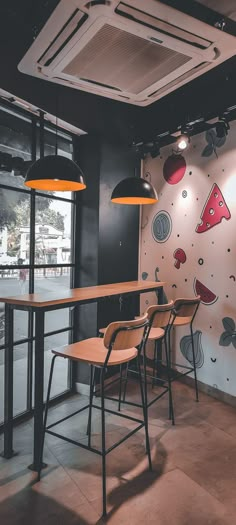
(55, 185)
(133, 200)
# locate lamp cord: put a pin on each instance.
(57, 104)
(56, 137)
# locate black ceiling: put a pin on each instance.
(208, 95)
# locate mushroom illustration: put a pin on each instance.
(180, 257)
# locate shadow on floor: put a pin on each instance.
(28, 507)
(138, 484)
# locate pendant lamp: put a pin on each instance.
(134, 190)
(54, 172)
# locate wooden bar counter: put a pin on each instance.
(39, 304)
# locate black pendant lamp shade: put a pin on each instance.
(134, 190)
(55, 173)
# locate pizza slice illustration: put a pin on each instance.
(215, 209)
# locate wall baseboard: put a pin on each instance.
(82, 388)
(210, 391)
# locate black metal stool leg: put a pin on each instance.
(171, 407)
(145, 399)
(169, 347)
(103, 446)
(145, 409)
(154, 365)
(194, 364)
(46, 415)
(120, 386)
(92, 374)
(125, 381)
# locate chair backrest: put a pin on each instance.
(125, 334)
(186, 307)
(159, 315)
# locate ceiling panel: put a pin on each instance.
(226, 8)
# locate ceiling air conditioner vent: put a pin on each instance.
(161, 26)
(134, 51)
(175, 82)
(63, 37)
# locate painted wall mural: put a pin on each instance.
(174, 168)
(207, 296)
(161, 226)
(229, 335)
(180, 257)
(215, 209)
(197, 195)
(187, 351)
(213, 142)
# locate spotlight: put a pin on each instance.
(183, 141)
(222, 128)
(142, 149)
(155, 150)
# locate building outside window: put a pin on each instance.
(36, 252)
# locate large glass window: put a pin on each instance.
(36, 252)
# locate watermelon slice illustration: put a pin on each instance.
(207, 296)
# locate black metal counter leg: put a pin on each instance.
(91, 391)
(38, 389)
(8, 384)
(104, 497)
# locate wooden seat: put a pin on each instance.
(159, 317)
(93, 352)
(184, 312)
(156, 333)
(181, 321)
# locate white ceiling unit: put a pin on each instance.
(134, 51)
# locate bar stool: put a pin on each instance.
(184, 313)
(160, 318)
(117, 347)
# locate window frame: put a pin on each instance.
(37, 142)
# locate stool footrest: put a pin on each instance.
(68, 417)
(131, 403)
(95, 450)
(120, 415)
(124, 438)
(183, 366)
(157, 397)
(147, 375)
(178, 374)
(77, 443)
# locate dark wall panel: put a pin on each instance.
(118, 224)
(118, 232)
(86, 255)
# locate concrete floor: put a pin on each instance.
(193, 481)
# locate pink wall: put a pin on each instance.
(171, 225)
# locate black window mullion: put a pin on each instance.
(31, 279)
